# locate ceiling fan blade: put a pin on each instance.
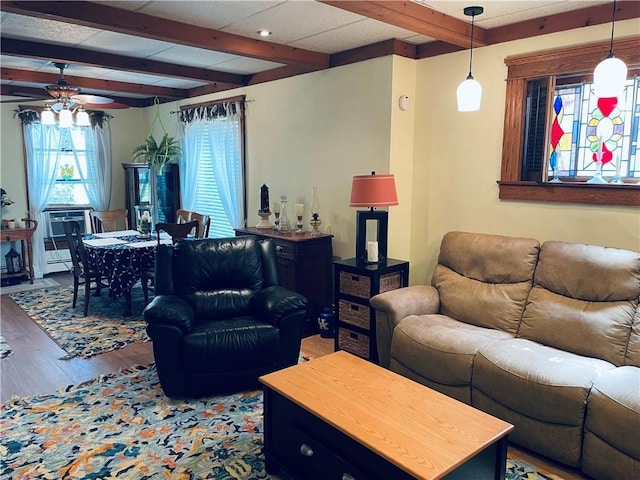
(21, 100)
(91, 99)
(106, 106)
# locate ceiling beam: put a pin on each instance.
(118, 20)
(416, 18)
(17, 75)
(79, 56)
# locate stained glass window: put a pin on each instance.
(585, 130)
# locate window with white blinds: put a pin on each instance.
(208, 200)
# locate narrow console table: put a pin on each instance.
(304, 262)
(24, 234)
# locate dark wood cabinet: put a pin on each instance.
(355, 284)
(304, 262)
(144, 186)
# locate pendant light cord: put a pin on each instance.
(613, 23)
(473, 17)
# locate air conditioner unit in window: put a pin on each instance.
(56, 218)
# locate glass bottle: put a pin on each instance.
(315, 212)
(285, 224)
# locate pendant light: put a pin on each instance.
(610, 75)
(469, 92)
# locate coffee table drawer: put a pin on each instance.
(306, 446)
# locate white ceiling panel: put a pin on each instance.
(194, 57)
(178, 83)
(20, 26)
(132, 77)
(120, 43)
(246, 65)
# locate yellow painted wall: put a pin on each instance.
(458, 155)
(322, 128)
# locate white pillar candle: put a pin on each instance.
(276, 207)
(299, 209)
(372, 252)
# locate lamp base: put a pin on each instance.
(382, 223)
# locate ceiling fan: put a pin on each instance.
(65, 96)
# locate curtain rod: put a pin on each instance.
(240, 98)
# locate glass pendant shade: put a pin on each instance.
(469, 95)
(47, 117)
(609, 77)
(82, 118)
(66, 119)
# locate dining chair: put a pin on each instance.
(176, 231)
(109, 220)
(204, 221)
(83, 272)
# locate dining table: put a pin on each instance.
(121, 257)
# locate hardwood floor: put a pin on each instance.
(35, 366)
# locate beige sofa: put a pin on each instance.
(546, 337)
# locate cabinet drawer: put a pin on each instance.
(355, 314)
(285, 249)
(9, 236)
(353, 342)
(356, 285)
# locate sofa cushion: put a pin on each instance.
(583, 294)
(632, 357)
(440, 349)
(516, 371)
(485, 279)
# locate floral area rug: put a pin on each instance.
(102, 330)
(123, 426)
(5, 349)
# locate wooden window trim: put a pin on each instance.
(580, 60)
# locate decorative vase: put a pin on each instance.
(144, 220)
(285, 224)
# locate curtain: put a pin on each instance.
(98, 178)
(212, 143)
(43, 161)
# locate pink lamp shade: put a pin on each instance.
(373, 191)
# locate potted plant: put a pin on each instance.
(157, 154)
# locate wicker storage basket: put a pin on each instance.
(354, 314)
(391, 281)
(353, 342)
(356, 285)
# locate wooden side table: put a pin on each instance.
(355, 284)
(304, 263)
(25, 235)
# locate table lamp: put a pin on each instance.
(372, 191)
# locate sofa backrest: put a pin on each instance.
(218, 277)
(584, 300)
(485, 279)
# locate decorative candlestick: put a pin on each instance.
(285, 224)
(276, 212)
(299, 212)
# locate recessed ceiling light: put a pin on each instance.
(264, 33)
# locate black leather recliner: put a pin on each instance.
(220, 319)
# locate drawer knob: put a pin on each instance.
(346, 476)
(306, 450)
(279, 248)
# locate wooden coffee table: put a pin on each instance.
(341, 417)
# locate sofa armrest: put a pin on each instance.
(170, 310)
(273, 304)
(393, 306)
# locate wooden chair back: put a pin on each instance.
(79, 257)
(176, 230)
(204, 221)
(109, 220)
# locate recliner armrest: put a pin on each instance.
(275, 303)
(393, 306)
(170, 310)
